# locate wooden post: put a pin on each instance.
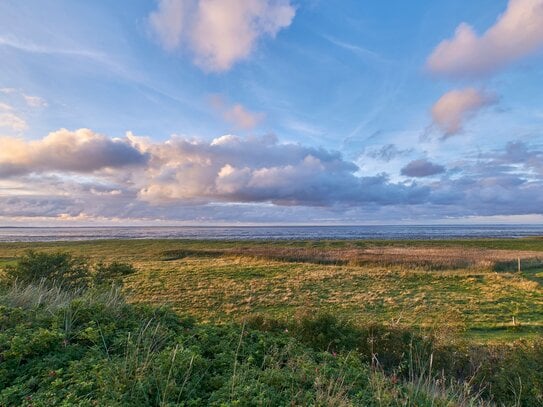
(519, 264)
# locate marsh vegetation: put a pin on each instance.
(287, 323)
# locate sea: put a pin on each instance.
(377, 232)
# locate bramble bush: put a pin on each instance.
(66, 270)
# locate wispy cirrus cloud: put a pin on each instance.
(12, 117)
(387, 152)
(517, 33)
(32, 101)
(31, 47)
(11, 121)
(218, 33)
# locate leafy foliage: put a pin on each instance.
(108, 273)
(65, 269)
(94, 350)
(58, 267)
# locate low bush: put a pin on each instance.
(63, 268)
(509, 374)
(66, 270)
(98, 350)
(108, 273)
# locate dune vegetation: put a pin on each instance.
(329, 323)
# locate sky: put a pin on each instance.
(241, 112)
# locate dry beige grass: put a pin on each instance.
(450, 287)
(430, 258)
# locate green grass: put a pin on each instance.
(225, 281)
(284, 323)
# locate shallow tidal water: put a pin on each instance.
(393, 232)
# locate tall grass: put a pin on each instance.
(54, 296)
(424, 258)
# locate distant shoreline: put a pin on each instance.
(271, 233)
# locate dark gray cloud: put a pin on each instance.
(422, 168)
(388, 152)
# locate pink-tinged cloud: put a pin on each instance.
(236, 114)
(517, 33)
(218, 32)
(454, 108)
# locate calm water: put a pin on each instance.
(279, 232)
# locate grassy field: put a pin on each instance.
(471, 288)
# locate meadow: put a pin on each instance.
(472, 287)
(390, 322)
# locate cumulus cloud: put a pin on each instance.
(454, 108)
(81, 176)
(236, 114)
(517, 32)
(422, 168)
(218, 32)
(64, 150)
(260, 169)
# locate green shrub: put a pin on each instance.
(55, 268)
(105, 273)
(65, 270)
(95, 351)
(391, 348)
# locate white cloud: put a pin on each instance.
(218, 32)
(66, 151)
(34, 101)
(454, 108)
(517, 32)
(11, 119)
(13, 122)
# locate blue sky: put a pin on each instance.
(270, 111)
